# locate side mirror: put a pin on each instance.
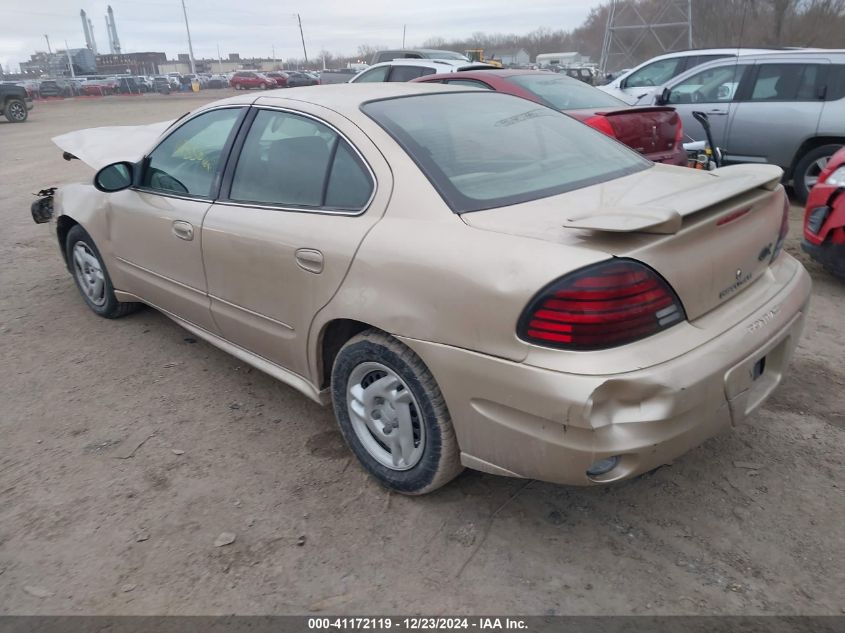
(114, 177)
(664, 97)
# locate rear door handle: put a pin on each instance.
(183, 230)
(310, 259)
(718, 112)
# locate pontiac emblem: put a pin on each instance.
(738, 273)
(654, 135)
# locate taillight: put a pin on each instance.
(784, 228)
(601, 306)
(679, 134)
(601, 124)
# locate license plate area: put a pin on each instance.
(758, 369)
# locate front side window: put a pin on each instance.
(655, 74)
(485, 149)
(786, 82)
(294, 161)
(186, 162)
(374, 75)
(713, 85)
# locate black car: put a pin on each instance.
(15, 102)
(52, 88)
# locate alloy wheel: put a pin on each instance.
(811, 176)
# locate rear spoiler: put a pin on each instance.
(665, 216)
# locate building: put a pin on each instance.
(519, 57)
(131, 63)
(561, 59)
(57, 64)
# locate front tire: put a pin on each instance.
(393, 416)
(807, 169)
(91, 277)
(16, 111)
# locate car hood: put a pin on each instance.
(101, 146)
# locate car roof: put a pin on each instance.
(438, 64)
(343, 98)
(809, 54)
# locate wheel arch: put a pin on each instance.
(333, 335)
(809, 145)
(64, 224)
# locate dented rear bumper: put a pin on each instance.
(518, 420)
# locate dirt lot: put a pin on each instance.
(83, 531)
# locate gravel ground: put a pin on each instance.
(84, 531)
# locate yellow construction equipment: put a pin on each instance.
(477, 55)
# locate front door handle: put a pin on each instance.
(718, 112)
(183, 230)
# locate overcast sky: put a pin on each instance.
(254, 27)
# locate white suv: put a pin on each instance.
(642, 82)
(408, 69)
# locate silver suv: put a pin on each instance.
(786, 108)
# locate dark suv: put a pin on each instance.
(15, 102)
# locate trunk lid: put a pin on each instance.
(651, 131)
(709, 234)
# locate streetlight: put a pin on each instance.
(302, 35)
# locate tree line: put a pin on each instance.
(716, 24)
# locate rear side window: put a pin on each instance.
(407, 73)
(835, 83)
(786, 82)
(294, 161)
(373, 75)
(484, 149)
(469, 83)
(565, 93)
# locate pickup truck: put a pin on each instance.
(15, 103)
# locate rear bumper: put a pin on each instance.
(676, 157)
(517, 420)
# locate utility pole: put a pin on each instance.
(49, 50)
(404, 27)
(274, 56)
(219, 59)
(188, 31)
(69, 61)
(302, 35)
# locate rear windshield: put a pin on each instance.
(565, 93)
(483, 149)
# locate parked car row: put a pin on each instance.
(785, 108)
(248, 79)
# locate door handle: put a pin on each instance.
(310, 259)
(718, 112)
(183, 230)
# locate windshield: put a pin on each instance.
(565, 93)
(482, 150)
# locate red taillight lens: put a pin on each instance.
(784, 228)
(679, 133)
(601, 124)
(605, 305)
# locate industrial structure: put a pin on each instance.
(669, 27)
(111, 29)
(88, 31)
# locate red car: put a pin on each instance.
(824, 218)
(655, 132)
(279, 77)
(246, 79)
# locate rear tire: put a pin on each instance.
(807, 169)
(91, 277)
(392, 414)
(16, 111)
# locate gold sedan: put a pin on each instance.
(469, 278)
